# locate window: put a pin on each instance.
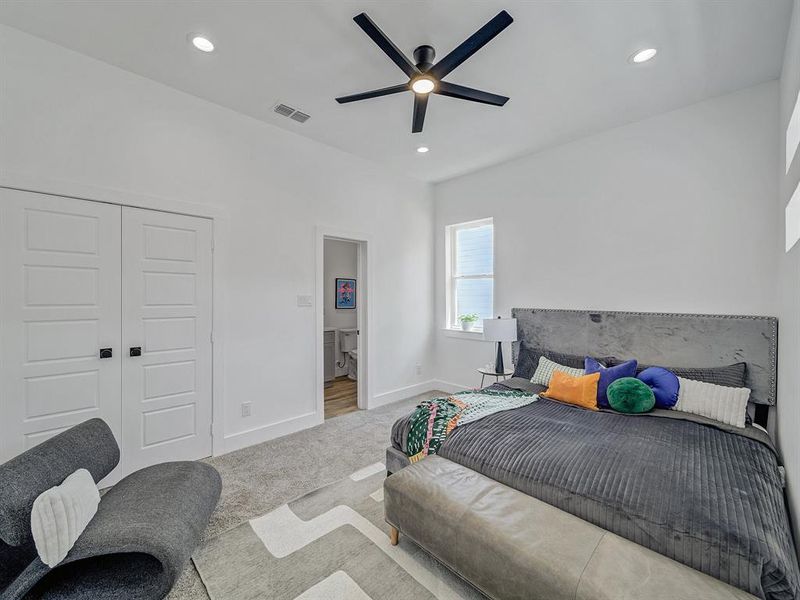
(793, 219)
(470, 271)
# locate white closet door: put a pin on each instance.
(166, 312)
(59, 306)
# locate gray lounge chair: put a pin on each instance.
(135, 547)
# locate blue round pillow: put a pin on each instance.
(664, 384)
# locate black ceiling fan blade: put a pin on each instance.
(385, 44)
(454, 90)
(392, 89)
(471, 45)
(420, 106)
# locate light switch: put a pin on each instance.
(304, 300)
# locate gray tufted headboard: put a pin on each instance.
(677, 340)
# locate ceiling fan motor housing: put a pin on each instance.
(423, 56)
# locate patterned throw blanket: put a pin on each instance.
(433, 420)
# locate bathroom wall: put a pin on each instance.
(340, 260)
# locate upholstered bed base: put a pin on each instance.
(511, 545)
(395, 460)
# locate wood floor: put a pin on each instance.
(341, 397)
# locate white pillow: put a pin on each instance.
(546, 367)
(725, 404)
(60, 515)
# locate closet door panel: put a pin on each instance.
(60, 303)
(167, 320)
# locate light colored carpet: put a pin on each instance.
(260, 478)
(328, 544)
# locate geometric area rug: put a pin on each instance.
(331, 544)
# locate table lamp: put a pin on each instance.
(499, 330)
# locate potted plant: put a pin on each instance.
(468, 321)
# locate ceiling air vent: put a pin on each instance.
(287, 111)
(284, 110)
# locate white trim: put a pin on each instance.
(793, 134)
(263, 433)
(365, 314)
(221, 232)
(257, 435)
(449, 387)
(475, 336)
(404, 393)
(792, 219)
(221, 228)
(363, 282)
(81, 191)
(409, 391)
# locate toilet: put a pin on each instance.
(348, 345)
(352, 364)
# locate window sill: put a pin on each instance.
(474, 335)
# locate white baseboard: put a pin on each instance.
(415, 389)
(450, 388)
(402, 393)
(243, 439)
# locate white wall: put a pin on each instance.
(340, 260)
(667, 214)
(789, 284)
(67, 117)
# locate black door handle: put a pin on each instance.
(106, 353)
(136, 350)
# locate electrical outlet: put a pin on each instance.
(419, 369)
(246, 406)
(304, 300)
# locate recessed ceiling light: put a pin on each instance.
(422, 149)
(644, 55)
(201, 43)
(423, 85)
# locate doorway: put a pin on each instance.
(342, 282)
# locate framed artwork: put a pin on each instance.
(345, 293)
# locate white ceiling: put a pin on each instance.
(564, 64)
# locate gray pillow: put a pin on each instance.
(729, 375)
(528, 360)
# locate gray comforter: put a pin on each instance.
(705, 496)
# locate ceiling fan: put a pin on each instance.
(424, 76)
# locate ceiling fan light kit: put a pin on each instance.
(423, 85)
(425, 77)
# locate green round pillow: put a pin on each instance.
(630, 395)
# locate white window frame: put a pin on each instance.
(450, 268)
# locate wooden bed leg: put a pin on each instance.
(394, 535)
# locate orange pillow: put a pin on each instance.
(580, 391)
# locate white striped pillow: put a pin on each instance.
(725, 404)
(60, 514)
(546, 367)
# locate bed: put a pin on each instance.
(705, 494)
